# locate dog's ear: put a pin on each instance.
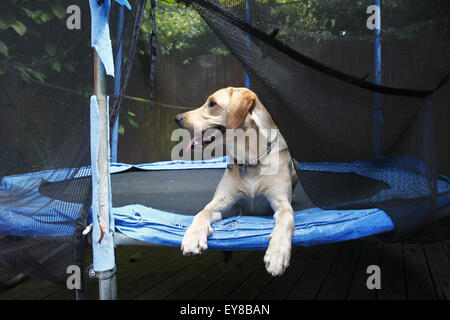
(240, 105)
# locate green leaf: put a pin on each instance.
(6, 22)
(56, 66)
(59, 11)
(38, 75)
(19, 27)
(121, 130)
(3, 49)
(133, 123)
(23, 73)
(168, 2)
(45, 17)
(69, 66)
(131, 113)
(50, 49)
(30, 13)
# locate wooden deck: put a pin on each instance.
(335, 271)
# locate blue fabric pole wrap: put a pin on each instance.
(104, 251)
(100, 37)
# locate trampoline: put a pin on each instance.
(154, 216)
(364, 149)
(155, 203)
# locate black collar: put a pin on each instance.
(253, 163)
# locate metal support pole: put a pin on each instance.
(103, 247)
(247, 17)
(448, 285)
(117, 78)
(107, 283)
(378, 112)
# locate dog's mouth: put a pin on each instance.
(207, 137)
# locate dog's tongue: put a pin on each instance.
(192, 142)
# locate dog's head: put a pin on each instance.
(225, 109)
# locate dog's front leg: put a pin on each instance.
(195, 238)
(278, 253)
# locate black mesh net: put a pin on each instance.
(44, 115)
(346, 133)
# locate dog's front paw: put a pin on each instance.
(195, 239)
(278, 254)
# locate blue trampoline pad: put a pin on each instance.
(312, 226)
(39, 215)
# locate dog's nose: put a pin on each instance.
(179, 120)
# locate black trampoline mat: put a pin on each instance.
(180, 191)
(331, 188)
(188, 191)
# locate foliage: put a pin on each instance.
(180, 29)
(35, 47)
(22, 24)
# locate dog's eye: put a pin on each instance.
(211, 103)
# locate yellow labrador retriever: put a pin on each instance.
(254, 171)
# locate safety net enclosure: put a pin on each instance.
(364, 111)
(336, 124)
(44, 132)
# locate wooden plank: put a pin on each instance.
(446, 247)
(340, 277)
(370, 255)
(145, 261)
(130, 261)
(407, 271)
(40, 289)
(439, 266)
(279, 287)
(253, 285)
(30, 289)
(36, 289)
(418, 279)
(206, 279)
(147, 276)
(313, 278)
(188, 269)
(222, 287)
(392, 274)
